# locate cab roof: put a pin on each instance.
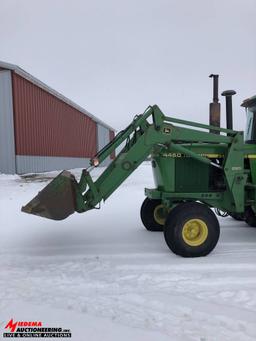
(249, 102)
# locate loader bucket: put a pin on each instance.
(57, 200)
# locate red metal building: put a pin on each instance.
(40, 129)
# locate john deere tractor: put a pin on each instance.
(196, 168)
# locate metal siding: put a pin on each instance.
(103, 136)
(103, 139)
(111, 137)
(47, 126)
(40, 84)
(36, 164)
(7, 144)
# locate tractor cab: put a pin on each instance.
(250, 129)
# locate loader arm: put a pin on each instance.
(64, 195)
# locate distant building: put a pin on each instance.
(40, 129)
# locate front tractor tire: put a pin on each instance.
(191, 230)
(153, 214)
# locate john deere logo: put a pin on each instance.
(167, 130)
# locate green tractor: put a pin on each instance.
(196, 168)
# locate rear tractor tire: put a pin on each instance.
(250, 217)
(237, 216)
(153, 214)
(191, 230)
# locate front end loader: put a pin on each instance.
(196, 168)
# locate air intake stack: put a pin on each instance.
(229, 111)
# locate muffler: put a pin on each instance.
(214, 119)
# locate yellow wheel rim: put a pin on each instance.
(160, 214)
(194, 232)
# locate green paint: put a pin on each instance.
(188, 164)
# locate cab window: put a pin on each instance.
(250, 131)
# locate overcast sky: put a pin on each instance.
(116, 57)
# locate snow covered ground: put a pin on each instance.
(105, 277)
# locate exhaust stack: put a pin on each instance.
(214, 117)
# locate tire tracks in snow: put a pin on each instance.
(182, 298)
